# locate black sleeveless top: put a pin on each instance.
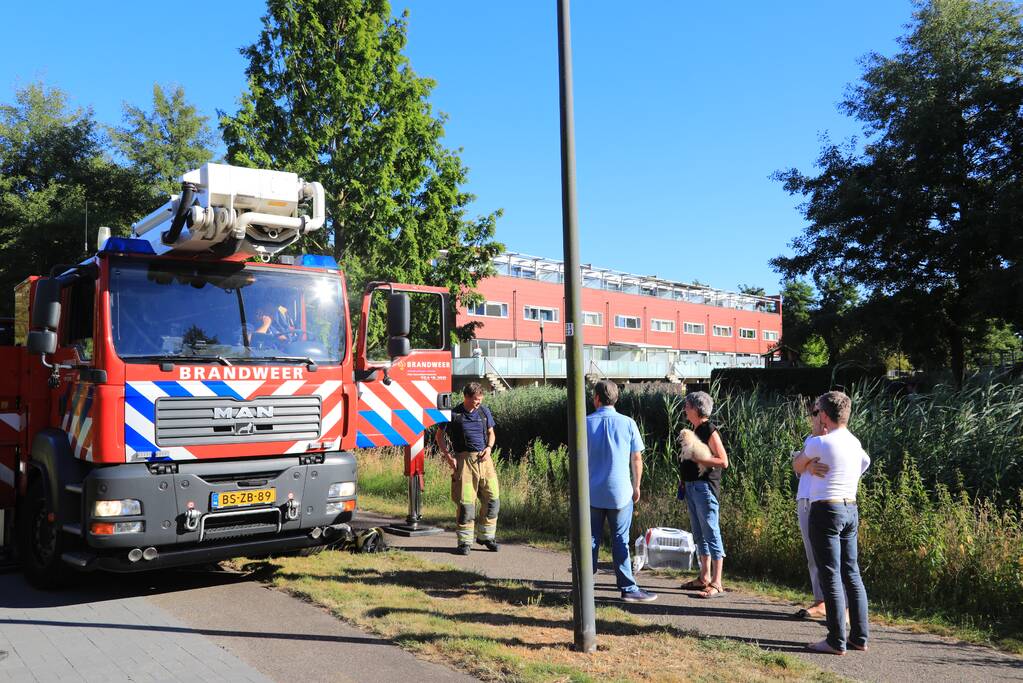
(690, 471)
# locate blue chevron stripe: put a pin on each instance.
(221, 389)
(410, 420)
(143, 405)
(384, 429)
(172, 389)
(437, 415)
(362, 441)
(136, 441)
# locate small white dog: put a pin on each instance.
(691, 448)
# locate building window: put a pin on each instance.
(628, 322)
(523, 272)
(593, 319)
(722, 330)
(496, 348)
(540, 313)
(490, 309)
(694, 328)
(747, 333)
(770, 335)
(662, 325)
(527, 349)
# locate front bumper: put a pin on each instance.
(179, 520)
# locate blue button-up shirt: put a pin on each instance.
(612, 439)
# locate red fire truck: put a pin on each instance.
(188, 394)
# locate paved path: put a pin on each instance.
(203, 625)
(894, 655)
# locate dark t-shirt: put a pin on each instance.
(468, 430)
(690, 471)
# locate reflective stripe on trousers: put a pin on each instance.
(474, 479)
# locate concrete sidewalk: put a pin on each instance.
(894, 655)
(189, 625)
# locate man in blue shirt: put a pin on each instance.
(615, 448)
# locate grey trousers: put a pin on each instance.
(803, 508)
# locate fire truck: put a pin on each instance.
(190, 393)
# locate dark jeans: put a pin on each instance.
(620, 521)
(833, 529)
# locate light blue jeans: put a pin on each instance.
(620, 521)
(703, 514)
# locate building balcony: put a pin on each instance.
(632, 370)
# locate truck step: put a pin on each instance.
(73, 529)
(80, 560)
(73, 488)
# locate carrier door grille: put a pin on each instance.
(217, 420)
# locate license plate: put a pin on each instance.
(233, 499)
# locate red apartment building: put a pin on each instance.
(634, 327)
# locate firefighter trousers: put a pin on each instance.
(474, 479)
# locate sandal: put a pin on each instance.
(694, 585)
(713, 590)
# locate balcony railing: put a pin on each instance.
(532, 368)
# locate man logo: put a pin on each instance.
(232, 413)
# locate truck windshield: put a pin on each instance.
(225, 312)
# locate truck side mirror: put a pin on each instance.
(399, 315)
(46, 304)
(41, 342)
(399, 325)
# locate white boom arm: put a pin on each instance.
(232, 210)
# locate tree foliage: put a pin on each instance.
(332, 97)
(167, 142)
(52, 162)
(926, 215)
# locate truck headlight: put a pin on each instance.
(117, 508)
(342, 489)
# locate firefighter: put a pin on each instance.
(471, 432)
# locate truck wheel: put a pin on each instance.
(40, 541)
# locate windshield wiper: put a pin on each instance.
(169, 358)
(280, 359)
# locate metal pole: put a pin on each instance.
(584, 623)
(543, 354)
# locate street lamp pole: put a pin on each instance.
(543, 354)
(583, 611)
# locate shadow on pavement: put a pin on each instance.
(17, 593)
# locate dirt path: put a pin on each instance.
(894, 655)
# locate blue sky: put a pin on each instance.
(683, 109)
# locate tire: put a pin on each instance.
(41, 542)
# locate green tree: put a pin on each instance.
(831, 317)
(53, 162)
(798, 300)
(928, 211)
(167, 142)
(752, 290)
(332, 97)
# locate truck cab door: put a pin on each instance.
(403, 367)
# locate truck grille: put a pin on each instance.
(217, 420)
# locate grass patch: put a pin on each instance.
(509, 631)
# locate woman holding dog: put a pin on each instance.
(701, 493)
